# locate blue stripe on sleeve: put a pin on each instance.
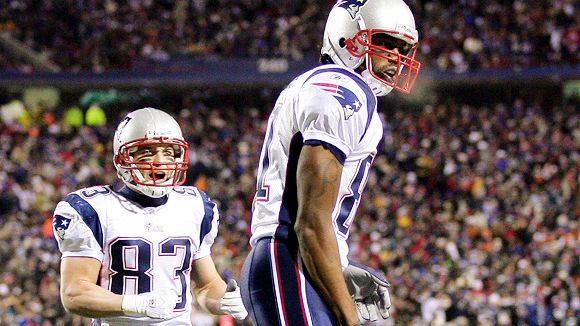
(208, 206)
(88, 214)
(340, 155)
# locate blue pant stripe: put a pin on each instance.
(258, 287)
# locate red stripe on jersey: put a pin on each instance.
(333, 88)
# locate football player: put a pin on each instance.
(320, 143)
(130, 255)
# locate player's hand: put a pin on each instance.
(156, 304)
(231, 302)
(369, 290)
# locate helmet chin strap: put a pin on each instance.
(154, 192)
(151, 191)
(376, 86)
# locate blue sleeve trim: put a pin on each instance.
(208, 216)
(340, 156)
(89, 215)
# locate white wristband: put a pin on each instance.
(130, 305)
(156, 304)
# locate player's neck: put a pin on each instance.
(141, 199)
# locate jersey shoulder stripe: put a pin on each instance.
(206, 223)
(88, 214)
(370, 96)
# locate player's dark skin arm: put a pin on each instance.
(318, 181)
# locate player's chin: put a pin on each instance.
(387, 76)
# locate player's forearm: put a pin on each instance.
(90, 300)
(209, 296)
(319, 175)
(319, 253)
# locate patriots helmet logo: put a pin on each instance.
(352, 6)
(60, 224)
(122, 125)
(347, 98)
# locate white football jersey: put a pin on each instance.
(331, 106)
(143, 243)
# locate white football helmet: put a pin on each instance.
(348, 41)
(145, 127)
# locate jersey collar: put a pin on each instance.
(143, 200)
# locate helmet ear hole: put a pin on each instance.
(342, 42)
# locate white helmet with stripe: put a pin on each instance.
(353, 25)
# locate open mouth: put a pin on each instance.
(388, 75)
(158, 176)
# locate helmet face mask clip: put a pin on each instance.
(154, 173)
(395, 50)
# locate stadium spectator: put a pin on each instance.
(456, 36)
(478, 201)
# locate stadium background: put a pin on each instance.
(472, 210)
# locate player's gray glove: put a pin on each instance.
(231, 303)
(155, 304)
(369, 290)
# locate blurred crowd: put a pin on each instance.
(107, 35)
(471, 210)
